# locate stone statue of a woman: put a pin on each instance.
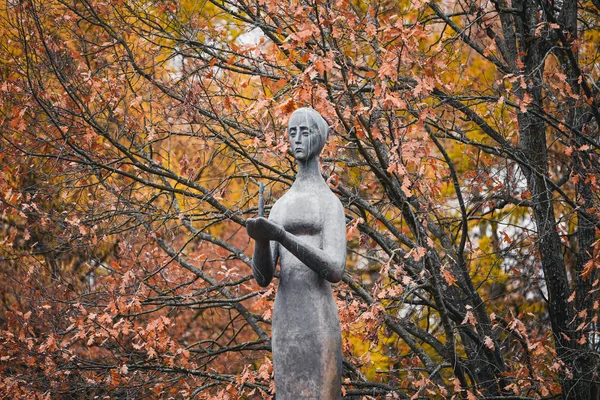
(306, 232)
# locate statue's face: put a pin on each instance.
(304, 137)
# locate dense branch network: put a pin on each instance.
(465, 151)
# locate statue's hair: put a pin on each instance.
(316, 120)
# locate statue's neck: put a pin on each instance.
(309, 172)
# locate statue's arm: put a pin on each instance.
(264, 261)
(330, 261)
(266, 249)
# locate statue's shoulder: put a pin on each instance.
(278, 207)
(332, 196)
(332, 201)
(282, 200)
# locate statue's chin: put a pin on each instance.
(300, 156)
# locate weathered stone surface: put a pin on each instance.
(306, 233)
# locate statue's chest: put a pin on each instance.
(302, 214)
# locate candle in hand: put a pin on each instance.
(261, 200)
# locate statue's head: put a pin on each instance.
(307, 132)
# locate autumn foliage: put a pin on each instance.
(464, 148)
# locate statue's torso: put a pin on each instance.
(306, 331)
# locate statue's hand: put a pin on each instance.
(261, 229)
